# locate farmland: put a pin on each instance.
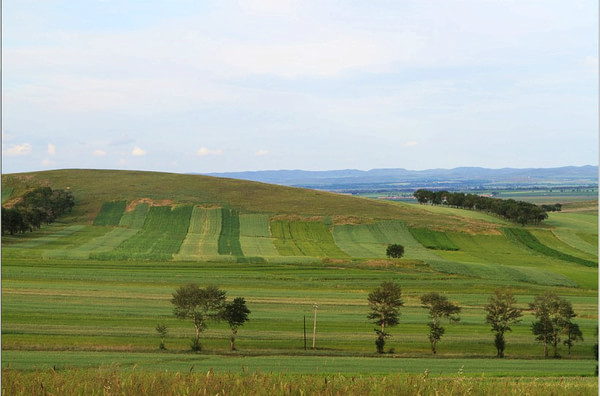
(87, 291)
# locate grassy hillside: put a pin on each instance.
(101, 278)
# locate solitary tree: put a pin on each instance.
(162, 330)
(395, 251)
(236, 314)
(385, 303)
(200, 305)
(554, 316)
(501, 314)
(439, 307)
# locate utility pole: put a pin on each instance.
(315, 307)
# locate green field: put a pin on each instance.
(87, 291)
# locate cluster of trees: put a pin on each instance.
(517, 211)
(39, 206)
(554, 317)
(208, 304)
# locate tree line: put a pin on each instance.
(517, 211)
(553, 315)
(38, 206)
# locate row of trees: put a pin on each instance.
(553, 317)
(518, 211)
(39, 206)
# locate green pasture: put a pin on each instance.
(114, 306)
(304, 363)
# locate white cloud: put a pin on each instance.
(18, 149)
(411, 143)
(51, 149)
(261, 152)
(48, 162)
(138, 151)
(203, 151)
(122, 161)
(99, 153)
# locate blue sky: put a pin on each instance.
(215, 86)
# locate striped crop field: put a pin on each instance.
(527, 239)
(202, 239)
(255, 236)
(432, 239)
(304, 238)
(229, 238)
(371, 240)
(110, 213)
(106, 242)
(135, 218)
(52, 237)
(163, 233)
(549, 238)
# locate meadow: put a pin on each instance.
(82, 296)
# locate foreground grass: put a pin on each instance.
(113, 381)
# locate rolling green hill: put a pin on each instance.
(96, 282)
(127, 215)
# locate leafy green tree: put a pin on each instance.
(200, 305)
(501, 314)
(439, 308)
(385, 303)
(395, 251)
(236, 314)
(554, 316)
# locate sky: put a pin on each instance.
(220, 86)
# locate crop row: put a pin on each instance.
(163, 232)
(433, 239)
(527, 239)
(110, 213)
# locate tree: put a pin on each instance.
(200, 305)
(574, 334)
(554, 316)
(439, 307)
(385, 303)
(236, 314)
(395, 251)
(501, 314)
(162, 330)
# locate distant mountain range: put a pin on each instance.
(403, 179)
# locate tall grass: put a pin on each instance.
(112, 381)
